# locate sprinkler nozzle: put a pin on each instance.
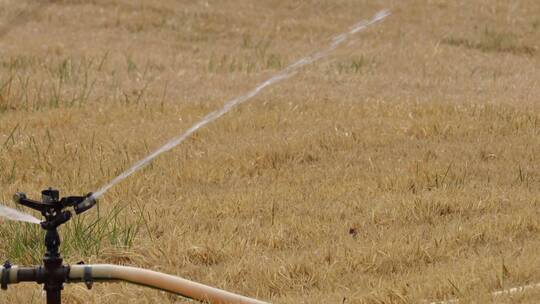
(86, 204)
(17, 197)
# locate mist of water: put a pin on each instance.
(16, 215)
(283, 74)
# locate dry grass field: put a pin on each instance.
(404, 167)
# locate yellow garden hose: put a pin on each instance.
(158, 280)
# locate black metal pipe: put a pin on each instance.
(30, 274)
(54, 296)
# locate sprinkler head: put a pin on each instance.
(53, 208)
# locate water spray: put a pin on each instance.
(229, 105)
(15, 215)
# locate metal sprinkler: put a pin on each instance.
(52, 274)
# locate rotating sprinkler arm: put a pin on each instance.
(104, 273)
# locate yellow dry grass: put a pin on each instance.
(404, 167)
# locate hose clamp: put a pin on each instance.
(5, 276)
(87, 277)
